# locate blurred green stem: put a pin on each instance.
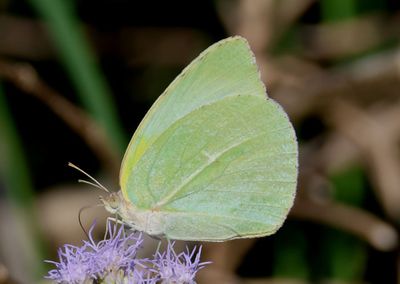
(343, 256)
(290, 253)
(14, 174)
(81, 65)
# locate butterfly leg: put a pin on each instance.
(116, 221)
(154, 237)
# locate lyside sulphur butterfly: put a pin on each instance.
(214, 158)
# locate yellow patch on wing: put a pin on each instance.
(129, 162)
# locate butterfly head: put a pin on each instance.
(112, 202)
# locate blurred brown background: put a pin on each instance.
(76, 78)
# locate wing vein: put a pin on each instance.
(167, 198)
(216, 216)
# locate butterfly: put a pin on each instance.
(214, 158)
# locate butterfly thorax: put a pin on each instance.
(144, 220)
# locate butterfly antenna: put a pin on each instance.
(90, 183)
(96, 184)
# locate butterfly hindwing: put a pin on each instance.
(230, 164)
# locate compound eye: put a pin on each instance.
(113, 201)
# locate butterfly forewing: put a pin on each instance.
(224, 69)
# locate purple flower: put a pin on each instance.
(74, 265)
(113, 260)
(182, 268)
(116, 252)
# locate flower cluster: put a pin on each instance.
(113, 260)
(173, 268)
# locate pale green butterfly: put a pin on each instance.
(214, 158)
